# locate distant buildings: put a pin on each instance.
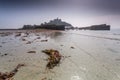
(58, 22)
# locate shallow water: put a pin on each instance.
(96, 55)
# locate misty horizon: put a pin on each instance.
(79, 13)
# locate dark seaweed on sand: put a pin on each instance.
(9, 75)
(54, 58)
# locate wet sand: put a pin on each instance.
(91, 57)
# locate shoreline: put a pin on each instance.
(29, 30)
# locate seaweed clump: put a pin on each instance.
(54, 58)
(9, 75)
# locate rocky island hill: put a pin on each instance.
(58, 24)
(55, 24)
(96, 27)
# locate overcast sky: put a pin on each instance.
(80, 13)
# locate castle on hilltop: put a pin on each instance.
(58, 21)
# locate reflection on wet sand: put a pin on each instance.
(83, 57)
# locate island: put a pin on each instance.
(96, 27)
(55, 24)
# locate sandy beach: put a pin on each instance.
(92, 55)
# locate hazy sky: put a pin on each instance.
(80, 13)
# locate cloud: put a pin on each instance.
(109, 6)
(21, 3)
(74, 11)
